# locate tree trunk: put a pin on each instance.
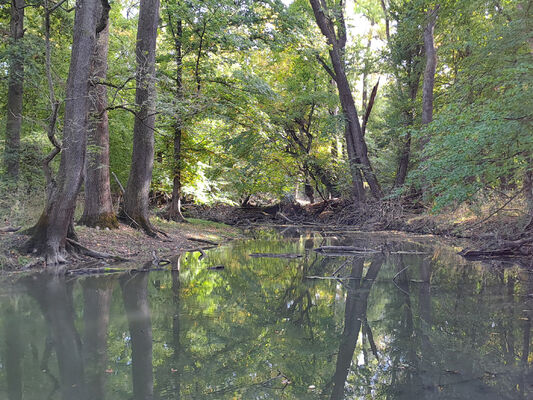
(337, 43)
(135, 295)
(358, 188)
(50, 233)
(98, 209)
(431, 66)
(413, 81)
(136, 198)
(173, 211)
(15, 91)
(528, 189)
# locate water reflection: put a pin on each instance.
(395, 325)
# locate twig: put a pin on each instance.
(495, 212)
(338, 269)
(119, 184)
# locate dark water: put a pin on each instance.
(397, 326)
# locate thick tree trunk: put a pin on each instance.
(50, 233)
(136, 198)
(337, 42)
(358, 188)
(355, 132)
(98, 209)
(135, 296)
(15, 91)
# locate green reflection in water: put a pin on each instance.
(397, 326)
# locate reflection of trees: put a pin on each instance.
(54, 297)
(81, 367)
(13, 352)
(97, 293)
(135, 296)
(355, 315)
(175, 273)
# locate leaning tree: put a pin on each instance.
(49, 236)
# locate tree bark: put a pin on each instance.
(136, 198)
(50, 233)
(98, 209)
(15, 91)
(337, 41)
(173, 211)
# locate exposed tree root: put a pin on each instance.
(141, 223)
(79, 248)
(8, 229)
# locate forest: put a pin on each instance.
(321, 111)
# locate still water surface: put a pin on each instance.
(396, 325)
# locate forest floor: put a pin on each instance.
(127, 242)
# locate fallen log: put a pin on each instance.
(275, 255)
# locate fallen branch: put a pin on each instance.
(285, 218)
(330, 277)
(202, 241)
(344, 250)
(275, 255)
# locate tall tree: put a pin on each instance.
(431, 66)
(173, 211)
(15, 91)
(332, 25)
(50, 234)
(136, 198)
(98, 209)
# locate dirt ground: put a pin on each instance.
(126, 242)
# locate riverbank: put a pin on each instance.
(215, 225)
(127, 242)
